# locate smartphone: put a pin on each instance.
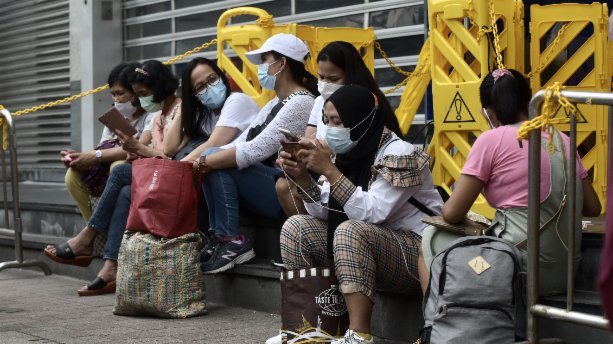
(291, 137)
(292, 148)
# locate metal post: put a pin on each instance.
(534, 216)
(4, 190)
(18, 230)
(571, 202)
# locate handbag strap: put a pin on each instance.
(417, 204)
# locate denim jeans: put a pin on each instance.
(111, 213)
(253, 187)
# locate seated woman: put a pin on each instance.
(211, 116)
(243, 171)
(79, 163)
(155, 85)
(498, 165)
(362, 211)
(338, 64)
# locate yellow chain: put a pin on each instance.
(471, 17)
(555, 43)
(265, 21)
(545, 120)
(86, 93)
(494, 28)
(389, 61)
(421, 69)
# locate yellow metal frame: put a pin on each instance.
(593, 120)
(246, 37)
(461, 56)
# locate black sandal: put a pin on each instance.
(97, 287)
(64, 255)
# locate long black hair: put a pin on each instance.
(299, 73)
(157, 77)
(345, 56)
(192, 110)
(509, 95)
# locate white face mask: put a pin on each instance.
(327, 88)
(126, 109)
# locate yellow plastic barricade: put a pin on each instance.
(461, 56)
(576, 55)
(246, 37)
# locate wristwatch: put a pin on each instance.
(98, 155)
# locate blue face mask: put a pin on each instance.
(148, 105)
(339, 139)
(267, 81)
(213, 96)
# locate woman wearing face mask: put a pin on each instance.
(155, 86)
(338, 64)
(362, 210)
(243, 172)
(124, 101)
(211, 115)
(497, 165)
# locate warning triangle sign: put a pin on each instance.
(561, 109)
(458, 111)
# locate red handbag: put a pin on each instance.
(164, 199)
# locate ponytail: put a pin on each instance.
(299, 73)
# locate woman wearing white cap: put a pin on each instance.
(244, 171)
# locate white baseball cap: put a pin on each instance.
(283, 43)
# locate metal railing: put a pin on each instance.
(536, 310)
(18, 230)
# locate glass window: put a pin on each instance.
(277, 8)
(148, 9)
(401, 46)
(147, 52)
(197, 21)
(389, 77)
(189, 3)
(189, 44)
(303, 6)
(356, 20)
(155, 28)
(406, 16)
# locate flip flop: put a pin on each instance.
(64, 255)
(97, 287)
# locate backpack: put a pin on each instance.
(475, 293)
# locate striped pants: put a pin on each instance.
(367, 257)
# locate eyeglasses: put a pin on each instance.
(201, 88)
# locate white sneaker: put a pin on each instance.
(278, 339)
(352, 337)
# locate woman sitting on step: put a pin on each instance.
(361, 214)
(242, 174)
(497, 165)
(107, 156)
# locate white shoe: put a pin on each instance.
(278, 339)
(352, 337)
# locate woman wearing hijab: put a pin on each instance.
(361, 213)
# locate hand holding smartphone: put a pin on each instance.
(291, 146)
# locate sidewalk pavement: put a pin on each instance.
(46, 309)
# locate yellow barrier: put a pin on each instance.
(416, 87)
(246, 37)
(583, 29)
(461, 56)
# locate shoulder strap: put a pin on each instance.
(417, 204)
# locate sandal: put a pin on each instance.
(64, 255)
(97, 287)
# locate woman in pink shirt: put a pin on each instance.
(497, 165)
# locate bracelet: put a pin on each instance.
(335, 184)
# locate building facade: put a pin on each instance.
(54, 48)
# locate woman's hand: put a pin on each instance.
(297, 170)
(128, 143)
(317, 156)
(65, 156)
(131, 157)
(81, 161)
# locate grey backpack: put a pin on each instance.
(474, 293)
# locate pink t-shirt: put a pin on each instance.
(498, 161)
